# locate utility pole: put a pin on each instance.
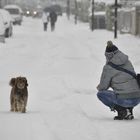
(68, 9)
(116, 6)
(0, 3)
(76, 11)
(115, 22)
(92, 15)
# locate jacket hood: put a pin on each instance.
(116, 57)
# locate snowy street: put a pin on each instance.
(63, 69)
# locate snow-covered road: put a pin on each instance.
(63, 69)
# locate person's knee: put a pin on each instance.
(104, 95)
(100, 95)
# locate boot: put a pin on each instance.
(121, 115)
(121, 112)
(131, 110)
(129, 114)
(124, 113)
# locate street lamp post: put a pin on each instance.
(0, 3)
(68, 9)
(116, 6)
(115, 22)
(92, 15)
(76, 11)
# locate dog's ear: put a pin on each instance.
(12, 82)
(26, 81)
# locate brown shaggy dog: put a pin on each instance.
(19, 94)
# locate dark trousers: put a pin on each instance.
(45, 26)
(52, 26)
(110, 99)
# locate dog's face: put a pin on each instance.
(19, 82)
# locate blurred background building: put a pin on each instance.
(128, 2)
(128, 12)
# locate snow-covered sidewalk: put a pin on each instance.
(63, 69)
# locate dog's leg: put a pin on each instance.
(12, 107)
(24, 110)
(24, 105)
(12, 102)
(16, 104)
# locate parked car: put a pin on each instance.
(8, 23)
(2, 29)
(16, 13)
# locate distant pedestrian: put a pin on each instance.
(45, 19)
(53, 19)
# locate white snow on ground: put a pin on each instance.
(63, 69)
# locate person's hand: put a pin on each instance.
(97, 87)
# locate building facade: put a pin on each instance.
(128, 2)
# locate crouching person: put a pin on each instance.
(125, 92)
